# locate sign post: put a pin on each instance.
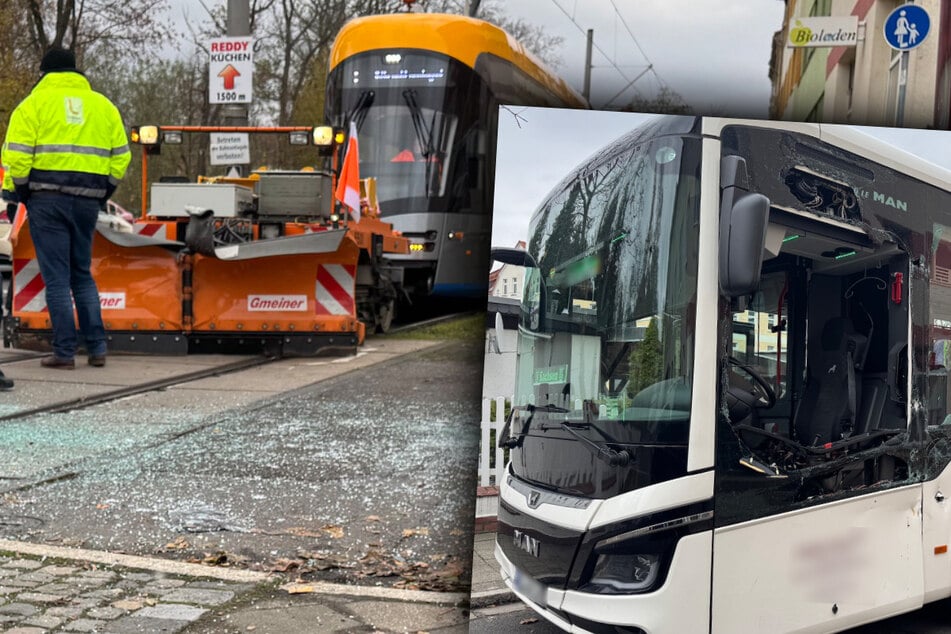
(905, 28)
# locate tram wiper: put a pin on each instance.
(507, 441)
(611, 456)
(424, 135)
(416, 113)
(359, 111)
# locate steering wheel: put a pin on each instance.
(763, 391)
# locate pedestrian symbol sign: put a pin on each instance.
(907, 27)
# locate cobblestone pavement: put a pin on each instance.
(38, 596)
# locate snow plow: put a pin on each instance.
(265, 262)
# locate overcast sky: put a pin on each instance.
(539, 147)
(714, 54)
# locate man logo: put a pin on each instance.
(525, 542)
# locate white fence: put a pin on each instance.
(488, 475)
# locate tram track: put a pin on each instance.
(23, 355)
(87, 401)
(92, 400)
(418, 325)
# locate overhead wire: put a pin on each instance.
(612, 62)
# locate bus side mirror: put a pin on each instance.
(516, 257)
(743, 221)
(499, 334)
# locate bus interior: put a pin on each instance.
(816, 384)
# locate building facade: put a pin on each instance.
(859, 84)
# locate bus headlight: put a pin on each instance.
(625, 574)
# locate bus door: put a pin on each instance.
(933, 365)
(818, 494)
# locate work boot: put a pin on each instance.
(58, 363)
(5, 384)
(96, 360)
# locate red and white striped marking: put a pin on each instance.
(29, 289)
(153, 229)
(29, 294)
(336, 289)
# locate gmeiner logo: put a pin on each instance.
(525, 542)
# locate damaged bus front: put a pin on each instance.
(731, 386)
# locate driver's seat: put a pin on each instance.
(830, 401)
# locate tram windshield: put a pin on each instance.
(608, 320)
(414, 124)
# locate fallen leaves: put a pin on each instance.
(220, 558)
(179, 543)
(412, 532)
(284, 565)
(333, 530)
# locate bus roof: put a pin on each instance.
(459, 37)
(853, 139)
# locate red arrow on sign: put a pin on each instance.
(229, 72)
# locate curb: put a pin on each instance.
(133, 561)
(377, 592)
(491, 597)
(228, 574)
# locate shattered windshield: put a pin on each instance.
(607, 322)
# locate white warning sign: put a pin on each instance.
(229, 148)
(230, 69)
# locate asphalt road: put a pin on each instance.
(364, 478)
(517, 619)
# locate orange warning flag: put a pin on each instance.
(17, 223)
(348, 187)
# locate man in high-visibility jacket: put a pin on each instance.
(65, 152)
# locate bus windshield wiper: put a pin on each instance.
(603, 452)
(508, 442)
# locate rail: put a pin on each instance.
(84, 402)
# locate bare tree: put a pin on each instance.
(113, 29)
(533, 37)
(666, 101)
(16, 72)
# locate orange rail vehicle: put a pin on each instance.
(267, 261)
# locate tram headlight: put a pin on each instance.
(625, 574)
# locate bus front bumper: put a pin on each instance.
(681, 604)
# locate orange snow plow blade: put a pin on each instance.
(269, 261)
(311, 301)
(139, 291)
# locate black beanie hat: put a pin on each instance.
(58, 59)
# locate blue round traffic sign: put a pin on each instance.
(907, 27)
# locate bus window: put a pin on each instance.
(939, 361)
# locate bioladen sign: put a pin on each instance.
(824, 31)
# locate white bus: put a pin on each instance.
(731, 410)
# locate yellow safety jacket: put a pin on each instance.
(65, 137)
